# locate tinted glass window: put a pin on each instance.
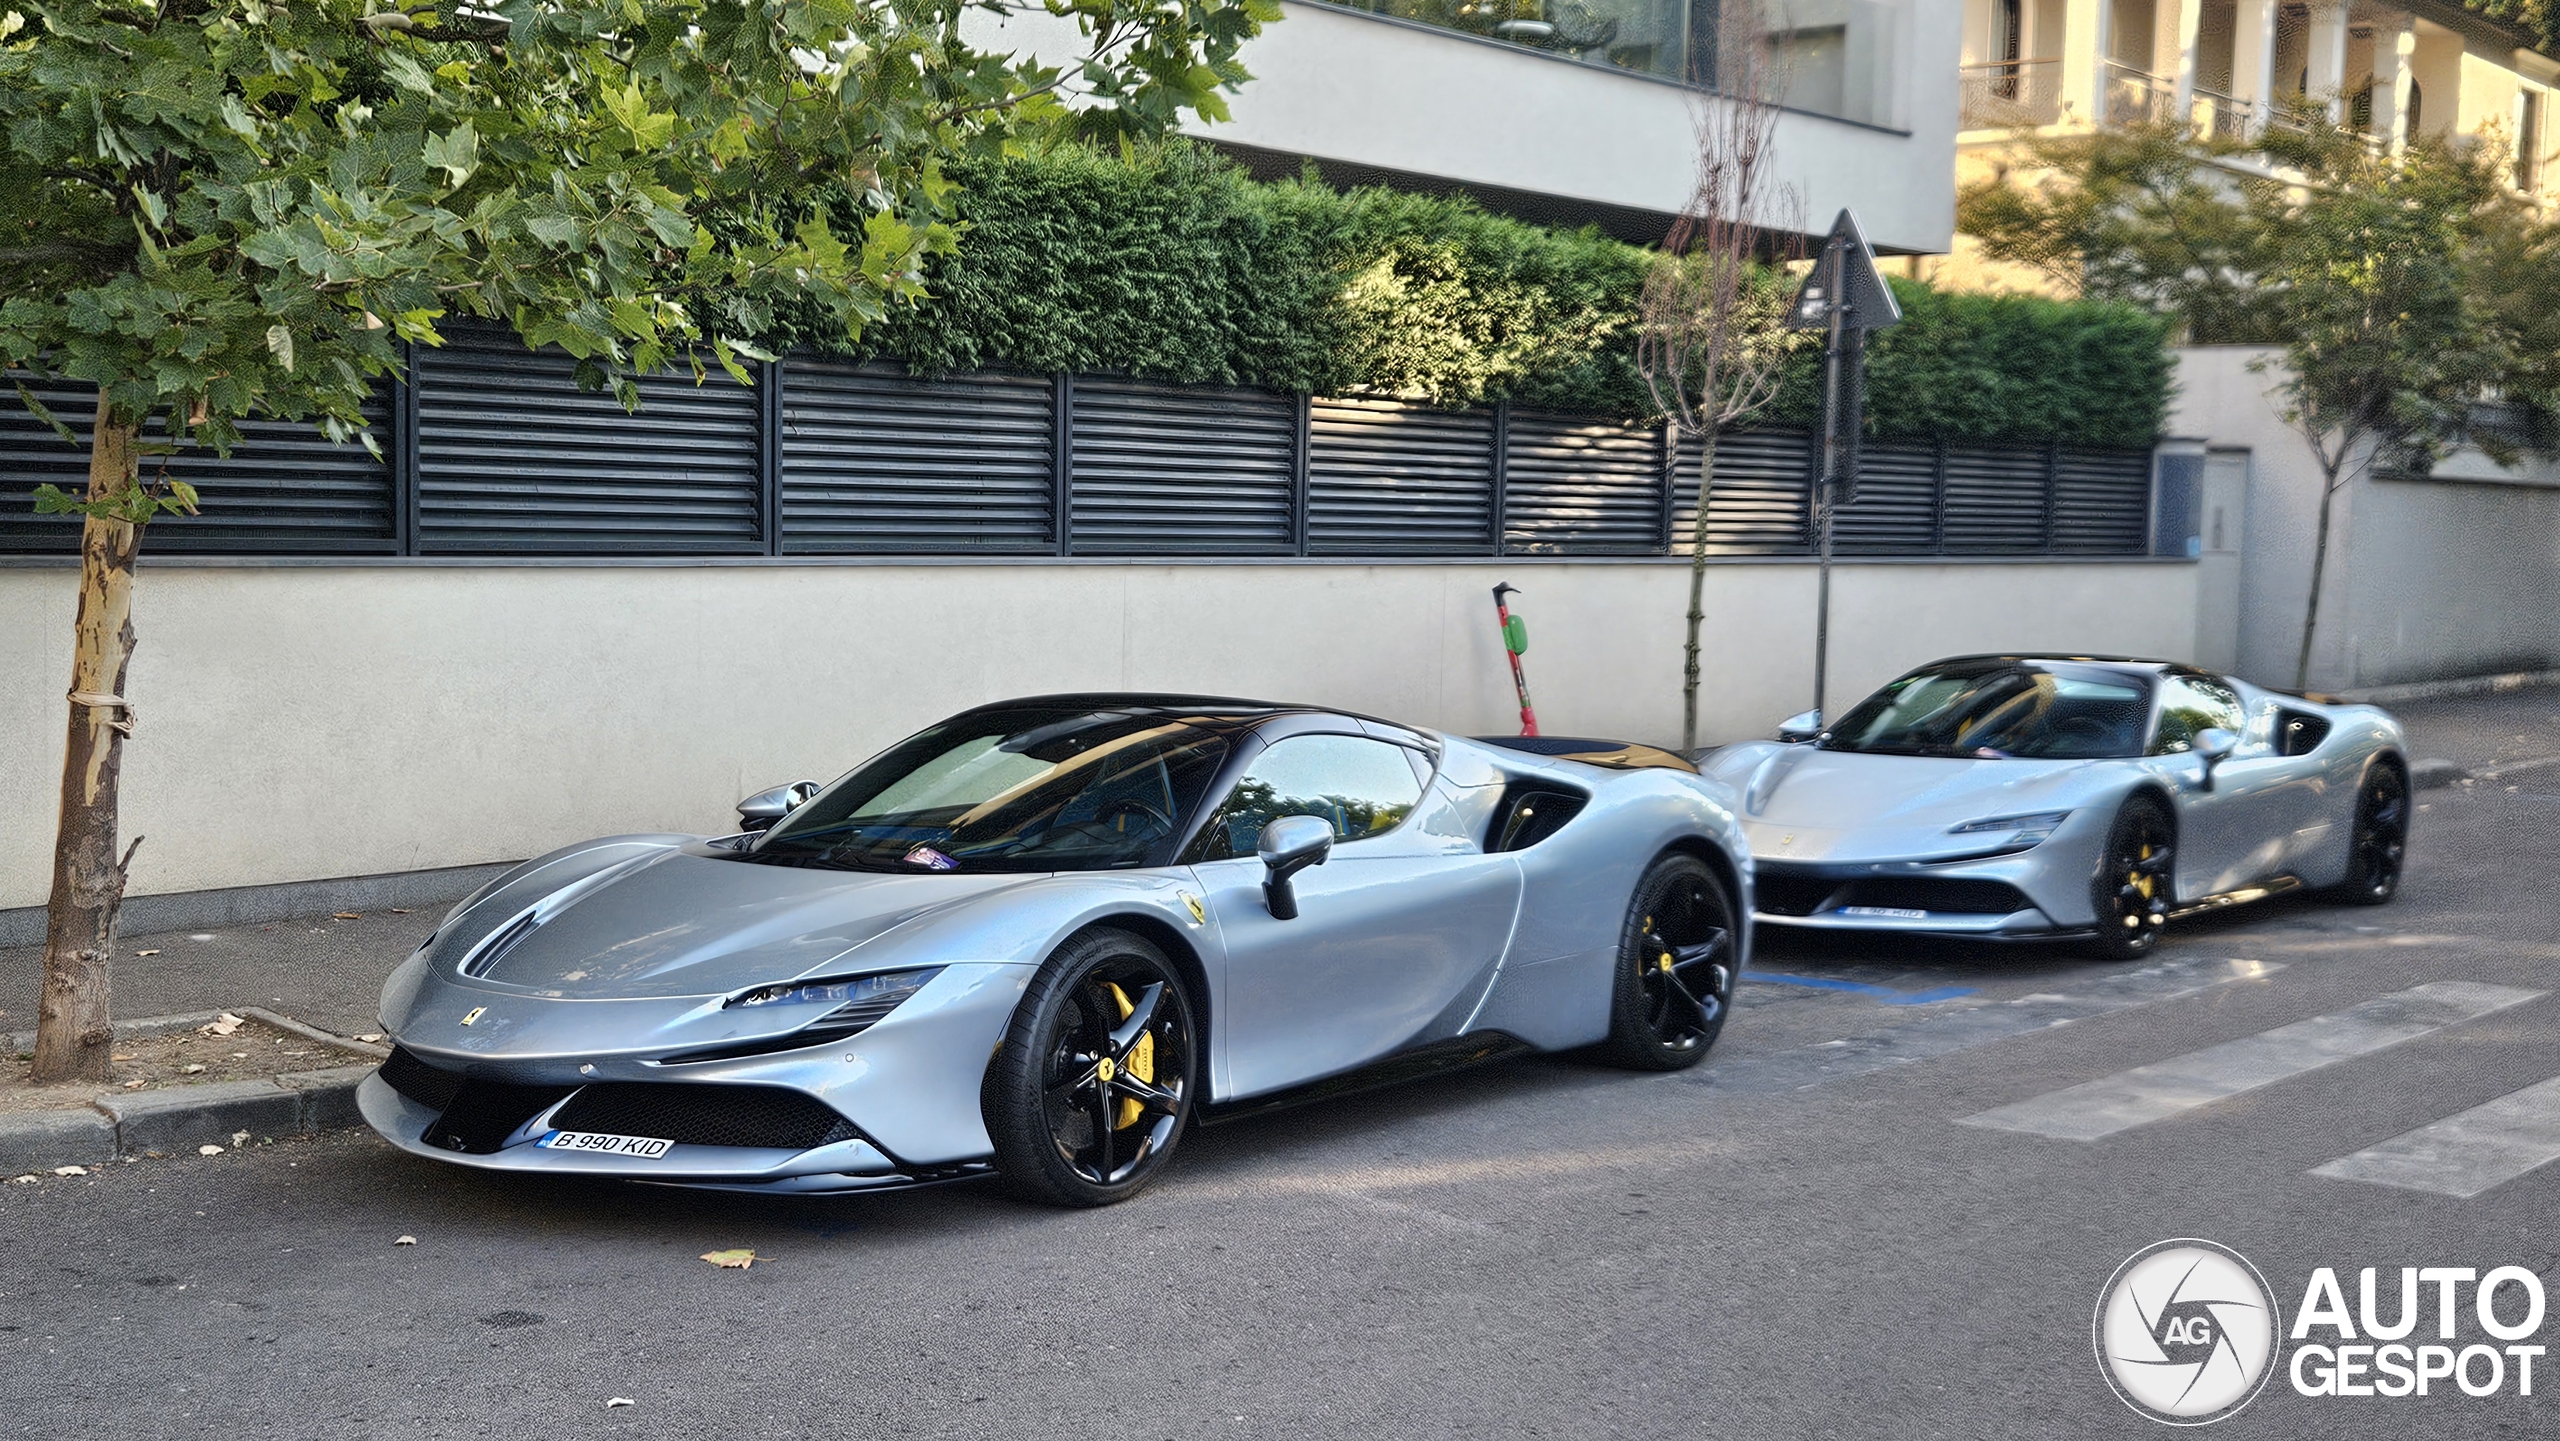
(1028, 789)
(1361, 787)
(2189, 706)
(2000, 710)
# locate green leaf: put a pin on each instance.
(456, 153)
(280, 345)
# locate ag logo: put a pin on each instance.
(2186, 1332)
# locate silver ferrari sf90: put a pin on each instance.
(2021, 796)
(1045, 937)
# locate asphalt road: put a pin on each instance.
(1801, 1238)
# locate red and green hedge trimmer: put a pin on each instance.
(1515, 639)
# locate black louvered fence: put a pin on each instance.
(491, 450)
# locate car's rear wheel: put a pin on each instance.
(2381, 840)
(1095, 1080)
(1677, 963)
(2135, 884)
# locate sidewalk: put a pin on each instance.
(322, 972)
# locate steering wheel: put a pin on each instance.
(1119, 806)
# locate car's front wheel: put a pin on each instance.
(1095, 1080)
(1677, 963)
(2381, 840)
(2135, 883)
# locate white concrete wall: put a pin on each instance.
(1348, 87)
(302, 722)
(2426, 579)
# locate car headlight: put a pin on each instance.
(857, 999)
(2024, 830)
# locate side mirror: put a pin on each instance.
(1287, 846)
(2214, 745)
(758, 812)
(1800, 727)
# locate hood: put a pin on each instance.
(682, 923)
(1802, 803)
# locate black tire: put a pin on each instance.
(2136, 880)
(1676, 969)
(1094, 1084)
(2380, 843)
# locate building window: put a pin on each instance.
(1837, 57)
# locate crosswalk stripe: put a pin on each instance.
(2145, 1094)
(1935, 1031)
(2466, 1154)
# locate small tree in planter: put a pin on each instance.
(214, 209)
(1709, 341)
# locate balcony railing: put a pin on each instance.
(2007, 94)
(2223, 117)
(2131, 96)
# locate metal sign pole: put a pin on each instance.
(1826, 483)
(1846, 296)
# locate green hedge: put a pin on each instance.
(1170, 262)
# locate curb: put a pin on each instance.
(130, 1125)
(2441, 689)
(2436, 774)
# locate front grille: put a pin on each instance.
(483, 1114)
(1951, 895)
(695, 1114)
(427, 1085)
(1778, 894)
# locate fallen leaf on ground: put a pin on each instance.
(71, 1170)
(208, 1150)
(346, 915)
(239, 1138)
(221, 1025)
(135, 1085)
(406, 1241)
(191, 1070)
(28, 1179)
(152, 952)
(620, 1401)
(738, 1259)
(373, 1036)
(400, 910)
(120, 1058)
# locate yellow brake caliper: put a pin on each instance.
(1142, 1060)
(2142, 881)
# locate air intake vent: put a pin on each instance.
(500, 941)
(427, 1085)
(707, 1115)
(484, 1113)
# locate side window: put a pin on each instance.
(2189, 706)
(1362, 787)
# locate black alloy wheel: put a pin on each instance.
(1094, 1083)
(2380, 845)
(1677, 964)
(2136, 880)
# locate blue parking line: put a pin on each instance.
(1884, 994)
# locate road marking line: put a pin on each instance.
(2466, 1154)
(1886, 994)
(1942, 1032)
(2120, 1102)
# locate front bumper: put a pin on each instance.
(2007, 897)
(855, 1165)
(906, 1089)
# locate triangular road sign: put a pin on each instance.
(1844, 272)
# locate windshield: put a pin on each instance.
(2001, 710)
(1020, 789)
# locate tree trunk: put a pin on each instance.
(74, 1035)
(2319, 567)
(1697, 593)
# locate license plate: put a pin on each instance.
(645, 1147)
(1891, 912)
